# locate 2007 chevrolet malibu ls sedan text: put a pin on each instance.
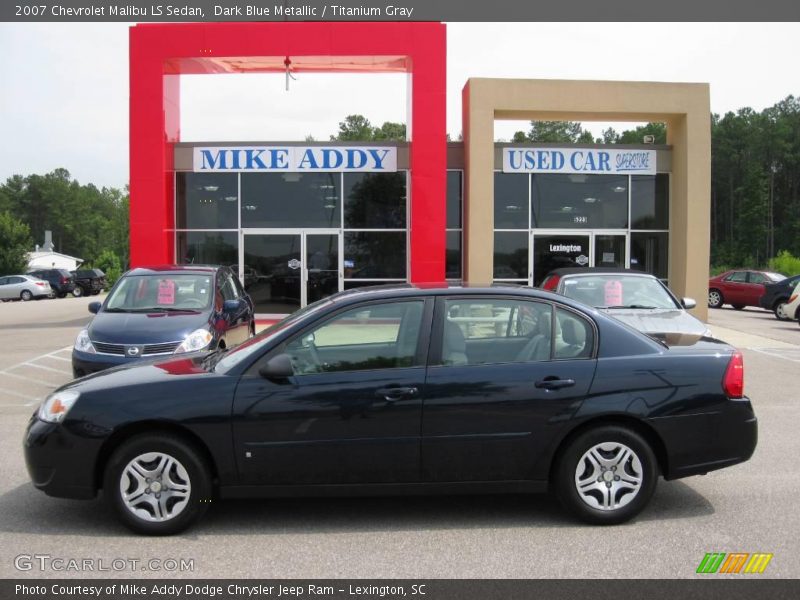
(402, 389)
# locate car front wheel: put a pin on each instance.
(25, 295)
(77, 292)
(606, 475)
(158, 484)
(780, 312)
(714, 299)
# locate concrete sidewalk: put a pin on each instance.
(740, 339)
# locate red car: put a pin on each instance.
(739, 288)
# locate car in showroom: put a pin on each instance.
(740, 287)
(776, 297)
(153, 312)
(402, 389)
(23, 287)
(639, 299)
(61, 281)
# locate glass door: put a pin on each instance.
(556, 250)
(283, 271)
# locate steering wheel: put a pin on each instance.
(193, 303)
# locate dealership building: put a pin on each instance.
(299, 221)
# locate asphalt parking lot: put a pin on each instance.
(747, 508)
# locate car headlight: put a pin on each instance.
(57, 405)
(197, 340)
(83, 343)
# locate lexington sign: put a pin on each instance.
(579, 160)
(295, 159)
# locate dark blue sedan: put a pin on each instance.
(160, 311)
(402, 390)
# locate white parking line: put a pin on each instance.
(28, 379)
(30, 364)
(17, 394)
(775, 354)
(54, 357)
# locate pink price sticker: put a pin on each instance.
(166, 291)
(613, 293)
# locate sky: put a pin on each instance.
(64, 87)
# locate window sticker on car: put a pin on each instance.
(166, 291)
(613, 293)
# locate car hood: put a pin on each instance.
(659, 321)
(144, 328)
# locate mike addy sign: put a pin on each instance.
(295, 159)
(579, 160)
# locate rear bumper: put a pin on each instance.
(700, 443)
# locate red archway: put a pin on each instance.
(159, 53)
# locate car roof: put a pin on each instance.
(594, 271)
(173, 269)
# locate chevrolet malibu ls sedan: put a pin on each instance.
(158, 311)
(402, 390)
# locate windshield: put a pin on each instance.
(142, 293)
(254, 345)
(618, 290)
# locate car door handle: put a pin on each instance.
(553, 383)
(392, 394)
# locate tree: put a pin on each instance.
(390, 131)
(15, 243)
(567, 132)
(109, 263)
(354, 128)
(635, 136)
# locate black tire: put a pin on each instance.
(571, 460)
(96, 293)
(77, 292)
(715, 298)
(61, 295)
(738, 306)
(25, 295)
(175, 447)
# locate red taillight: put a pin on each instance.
(733, 382)
(551, 283)
(40, 283)
(63, 280)
(792, 299)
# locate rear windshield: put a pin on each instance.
(90, 273)
(775, 276)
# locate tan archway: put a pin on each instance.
(684, 107)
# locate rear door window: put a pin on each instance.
(737, 277)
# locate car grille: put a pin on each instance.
(149, 349)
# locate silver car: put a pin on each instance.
(23, 287)
(636, 298)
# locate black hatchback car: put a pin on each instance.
(155, 312)
(402, 390)
(776, 297)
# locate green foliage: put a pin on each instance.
(15, 243)
(357, 128)
(785, 263)
(84, 220)
(109, 263)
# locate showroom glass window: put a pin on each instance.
(207, 219)
(576, 201)
(455, 198)
(291, 200)
(649, 238)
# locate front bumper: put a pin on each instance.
(700, 443)
(60, 463)
(85, 363)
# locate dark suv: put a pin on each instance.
(89, 282)
(60, 280)
(776, 296)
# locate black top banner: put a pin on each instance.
(402, 10)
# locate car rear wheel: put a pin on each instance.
(25, 295)
(780, 311)
(78, 291)
(158, 484)
(715, 299)
(606, 475)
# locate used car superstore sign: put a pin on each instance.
(578, 160)
(296, 158)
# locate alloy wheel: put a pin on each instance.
(780, 312)
(608, 476)
(155, 487)
(714, 299)
(26, 295)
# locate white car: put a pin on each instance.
(792, 307)
(23, 287)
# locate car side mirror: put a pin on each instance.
(231, 306)
(94, 307)
(277, 367)
(688, 303)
